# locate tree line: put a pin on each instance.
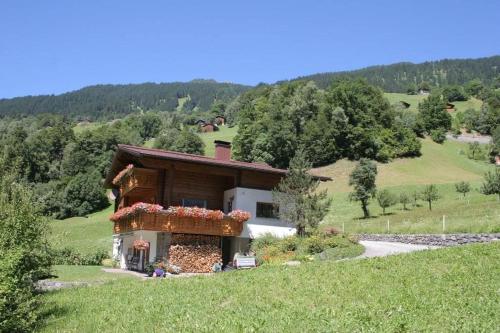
(107, 102)
(405, 76)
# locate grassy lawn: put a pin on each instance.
(85, 234)
(224, 133)
(452, 289)
(85, 273)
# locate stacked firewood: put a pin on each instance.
(194, 253)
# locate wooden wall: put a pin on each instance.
(192, 185)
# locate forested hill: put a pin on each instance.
(405, 75)
(115, 101)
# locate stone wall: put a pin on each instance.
(432, 239)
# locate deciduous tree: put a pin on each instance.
(430, 193)
(385, 199)
(362, 179)
(463, 188)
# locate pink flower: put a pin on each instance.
(239, 215)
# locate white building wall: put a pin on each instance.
(246, 199)
(128, 242)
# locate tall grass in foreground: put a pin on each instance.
(452, 289)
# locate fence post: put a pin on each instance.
(388, 226)
(444, 226)
(343, 227)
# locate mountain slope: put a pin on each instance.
(114, 101)
(400, 76)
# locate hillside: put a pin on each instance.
(115, 101)
(413, 100)
(400, 76)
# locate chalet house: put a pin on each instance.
(207, 127)
(166, 198)
(220, 120)
(450, 107)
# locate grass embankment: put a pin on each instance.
(443, 165)
(452, 289)
(84, 234)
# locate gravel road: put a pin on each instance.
(382, 249)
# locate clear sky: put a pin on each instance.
(56, 46)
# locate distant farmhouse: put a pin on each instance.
(220, 120)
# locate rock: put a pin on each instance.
(292, 263)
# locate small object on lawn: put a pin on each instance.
(217, 267)
(245, 262)
(292, 263)
(159, 273)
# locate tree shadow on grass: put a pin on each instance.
(50, 312)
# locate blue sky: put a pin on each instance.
(57, 46)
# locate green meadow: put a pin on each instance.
(224, 133)
(445, 290)
(413, 100)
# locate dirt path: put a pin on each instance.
(484, 139)
(382, 249)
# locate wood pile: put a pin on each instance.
(195, 253)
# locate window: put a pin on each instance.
(194, 203)
(266, 209)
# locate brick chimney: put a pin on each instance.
(222, 150)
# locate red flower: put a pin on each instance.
(134, 209)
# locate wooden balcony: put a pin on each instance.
(171, 223)
(139, 181)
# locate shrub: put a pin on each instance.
(313, 245)
(289, 244)
(264, 241)
(69, 256)
(23, 255)
(331, 231)
(438, 135)
(109, 263)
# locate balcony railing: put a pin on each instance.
(162, 221)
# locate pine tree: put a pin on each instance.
(296, 196)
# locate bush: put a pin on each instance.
(313, 245)
(264, 241)
(69, 256)
(289, 244)
(331, 231)
(438, 135)
(23, 255)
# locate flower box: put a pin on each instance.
(188, 220)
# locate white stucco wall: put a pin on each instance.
(246, 199)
